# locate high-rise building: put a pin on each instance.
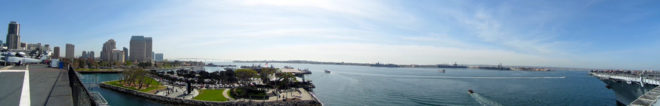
(126, 54)
(69, 51)
(118, 56)
(13, 35)
(158, 57)
(84, 54)
(56, 52)
(149, 52)
(106, 53)
(140, 49)
(90, 54)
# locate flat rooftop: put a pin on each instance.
(40, 86)
(290, 70)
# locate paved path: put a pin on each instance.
(178, 92)
(226, 94)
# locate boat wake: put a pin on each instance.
(483, 100)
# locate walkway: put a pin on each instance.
(226, 94)
(178, 92)
(34, 85)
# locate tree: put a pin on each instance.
(265, 74)
(144, 64)
(244, 75)
(81, 63)
(285, 78)
(135, 77)
(129, 63)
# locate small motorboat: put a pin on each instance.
(328, 71)
(442, 71)
(470, 91)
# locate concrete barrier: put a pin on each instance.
(180, 101)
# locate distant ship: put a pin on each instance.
(328, 71)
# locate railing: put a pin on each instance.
(81, 96)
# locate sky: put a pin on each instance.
(561, 33)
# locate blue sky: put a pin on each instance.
(567, 33)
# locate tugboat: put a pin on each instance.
(328, 71)
(470, 91)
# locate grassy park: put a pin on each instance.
(211, 95)
(150, 84)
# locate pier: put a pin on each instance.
(633, 78)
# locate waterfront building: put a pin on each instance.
(106, 52)
(158, 57)
(69, 51)
(56, 52)
(13, 35)
(125, 54)
(118, 56)
(140, 49)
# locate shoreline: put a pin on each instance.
(180, 101)
(438, 66)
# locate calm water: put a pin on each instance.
(361, 85)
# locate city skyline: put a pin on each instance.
(585, 34)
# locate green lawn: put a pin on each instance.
(211, 95)
(153, 85)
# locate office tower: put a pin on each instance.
(158, 57)
(149, 52)
(84, 54)
(125, 54)
(69, 51)
(140, 49)
(118, 56)
(90, 54)
(56, 52)
(13, 36)
(106, 52)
